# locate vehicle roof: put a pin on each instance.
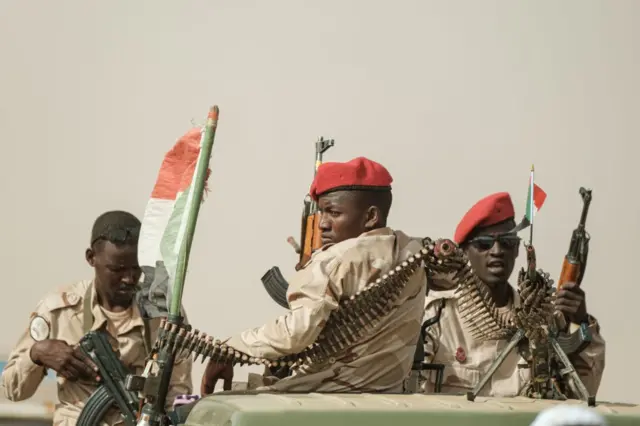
(285, 408)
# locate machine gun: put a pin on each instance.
(573, 268)
(273, 280)
(534, 333)
(142, 399)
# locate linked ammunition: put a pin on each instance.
(354, 320)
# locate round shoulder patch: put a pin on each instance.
(39, 329)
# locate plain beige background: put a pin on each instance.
(456, 98)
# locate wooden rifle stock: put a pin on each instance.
(575, 260)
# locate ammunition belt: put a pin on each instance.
(355, 318)
(482, 319)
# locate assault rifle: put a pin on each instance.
(573, 268)
(273, 280)
(113, 390)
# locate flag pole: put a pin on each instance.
(193, 210)
(531, 206)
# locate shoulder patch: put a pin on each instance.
(39, 328)
(61, 300)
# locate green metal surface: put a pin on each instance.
(373, 410)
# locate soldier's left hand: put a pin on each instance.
(570, 300)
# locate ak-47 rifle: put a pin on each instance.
(573, 268)
(273, 280)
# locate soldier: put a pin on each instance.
(485, 235)
(106, 302)
(354, 199)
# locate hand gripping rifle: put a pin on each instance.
(272, 280)
(142, 399)
(573, 269)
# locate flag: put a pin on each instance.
(164, 223)
(535, 200)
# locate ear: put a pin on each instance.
(517, 251)
(90, 256)
(372, 217)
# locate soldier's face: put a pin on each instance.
(116, 271)
(342, 217)
(493, 252)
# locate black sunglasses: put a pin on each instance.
(117, 236)
(485, 242)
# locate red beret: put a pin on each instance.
(359, 173)
(490, 210)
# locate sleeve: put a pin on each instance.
(313, 293)
(21, 376)
(590, 362)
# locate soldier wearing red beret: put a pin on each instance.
(354, 199)
(486, 234)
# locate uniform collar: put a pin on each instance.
(99, 319)
(377, 232)
(373, 233)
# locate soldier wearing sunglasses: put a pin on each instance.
(486, 234)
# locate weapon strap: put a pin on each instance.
(88, 320)
(435, 319)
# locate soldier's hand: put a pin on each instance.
(66, 360)
(212, 374)
(570, 300)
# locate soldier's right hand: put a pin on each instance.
(67, 360)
